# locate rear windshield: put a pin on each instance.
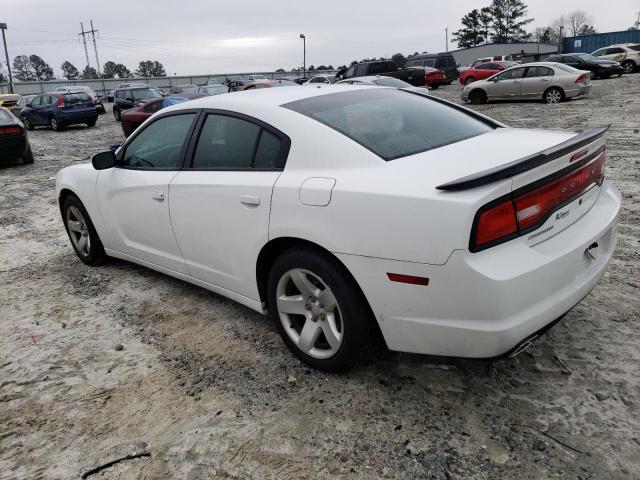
(188, 89)
(144, 93)
(391, 123)
(76, 98)
(566, 68)
(391, 82)
(4, 115)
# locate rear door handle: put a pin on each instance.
(159, 196)
(250, 199)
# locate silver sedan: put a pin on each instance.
(547, 81)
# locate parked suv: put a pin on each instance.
(58, 110)
(414, 76)
(441, 61)
(97, 99)
(129, 97)
(627, 54)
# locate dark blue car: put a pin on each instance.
(59, 110)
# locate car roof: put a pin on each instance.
(269, 97)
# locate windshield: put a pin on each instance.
(4, 115)
(391, 82)
(76, 98)
(187, 88)
(391, 123)
(586, 56)
(145, 93)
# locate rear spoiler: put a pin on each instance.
(510, 169)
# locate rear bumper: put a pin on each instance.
(13, 148)
(77, 117)
(483, 304)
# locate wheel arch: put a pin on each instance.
(65, 192)
(479, 90)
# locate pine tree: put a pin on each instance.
(508, 20)
(69, 71)
(470, 34)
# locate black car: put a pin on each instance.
(442, 61)
(129, 97)
(21, 104)
(386, 68)
(599, 68)
(14, 143)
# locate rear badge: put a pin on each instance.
(560, 215)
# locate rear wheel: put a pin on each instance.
(435, 86)
(28, 158)
(478, 97)
(628, 66)
(54, 124)
(553, 95)
(469, 80)
(116, 114)
(91, 124)
(83, 235)
(319, 311)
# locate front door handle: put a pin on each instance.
(159, 196)
(250, 199)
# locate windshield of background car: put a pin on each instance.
(586, 57)
(76, 98)
(391, 123)
(144, 93)
(391, 82)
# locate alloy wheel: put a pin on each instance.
(78, 231)
(628, 67)
(309, 313)
(554, 96)
(54, 123)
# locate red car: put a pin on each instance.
(482, 71)
(134, 117)
(434, 77)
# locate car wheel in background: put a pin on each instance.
(92, 123)
(319, 311)
(101, 109)
(593, 76)
(27, 123)
(54, 123)
(28, 158)
(83, 235)
(628, 66)
(469, 80)
(553, 95)
(477, 97)
(117, 115)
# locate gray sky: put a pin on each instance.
(191, 37)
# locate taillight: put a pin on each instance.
(61, 101)
(10, 131)
(526, 211)
(582, 78)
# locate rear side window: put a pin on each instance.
(226, 142)
(268, 151)
(429, 62)
(614, 50)
(4, 115)
(539, 72)
(159, 145)
(441, 62)
(391, 123)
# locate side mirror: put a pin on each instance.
(28, 105)
(103, 160)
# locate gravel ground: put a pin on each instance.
(100, 363)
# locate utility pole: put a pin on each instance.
(95, 48)
(304, 54)
(446, 38)
(3, 27)
(84, 41)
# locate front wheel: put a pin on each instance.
(319, 311)
(478, 97)
(83, 235)
(27, 123)
(117, 115)
(54, 124)
(469, 80)
(553, 95)
(92, 123)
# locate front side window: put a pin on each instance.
(36, 102)
(512, 74)
(160, 144)
(391, 123)
(600, 52)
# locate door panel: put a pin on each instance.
(221, 221)
(135, 206)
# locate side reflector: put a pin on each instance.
(410, 279)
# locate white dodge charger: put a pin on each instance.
(353, 214)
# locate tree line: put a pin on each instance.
(504, 21)
(34, 68)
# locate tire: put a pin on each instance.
(116, 114)
(553, 95)
(90, 251)
(27, 123)
(477, 97)
(54, 124)
(435, 87)
(28, 158)
(92, 123)
(335, 305)
(469, 80)
(101, 110)
(628, 66)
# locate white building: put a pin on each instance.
(523, 51)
